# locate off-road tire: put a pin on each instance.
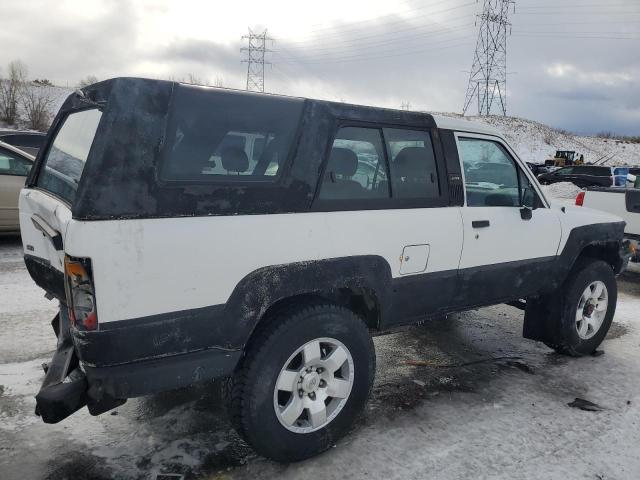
(586, 271)
(250, 391)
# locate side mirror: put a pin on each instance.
(526, 213)
(632, 200)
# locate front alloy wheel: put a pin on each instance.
(592, 308)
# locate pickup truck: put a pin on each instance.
(624, 203)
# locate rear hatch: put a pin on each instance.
(46, 203)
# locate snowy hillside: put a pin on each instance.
(535, 142)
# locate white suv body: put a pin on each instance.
(180, 254)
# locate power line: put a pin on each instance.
(341, 31)
(380, 40)
(597, 22)
(586, 36)
(255, 59)
(401, 53)
(488, 76)
(575, 5)
(383, 48)
(377, 19)
(581, 13)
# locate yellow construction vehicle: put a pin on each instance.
(564, 158)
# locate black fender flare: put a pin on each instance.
(262, 288)
(542, 313)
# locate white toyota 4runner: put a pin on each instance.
(195, 233)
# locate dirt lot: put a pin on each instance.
(482, 403)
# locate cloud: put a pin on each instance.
(383, 55)
(571, 72)
(202, 52)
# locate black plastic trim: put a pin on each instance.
(152, 337)
(161, 374)
(46, 276)
(454, 170)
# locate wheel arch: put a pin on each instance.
(360, 283)
(608, 252)
(602, 241)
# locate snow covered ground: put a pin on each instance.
(487, 404)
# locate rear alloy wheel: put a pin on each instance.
(306, 376)
(314, 385)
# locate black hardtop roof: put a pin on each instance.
(99, 91)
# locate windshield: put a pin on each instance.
(68, 154)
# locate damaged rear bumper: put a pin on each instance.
(80, 375)
(64, 388)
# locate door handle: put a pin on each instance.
(48, 231)
(480, 223)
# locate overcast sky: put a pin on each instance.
(573, 64)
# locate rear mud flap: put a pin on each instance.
(64, 388)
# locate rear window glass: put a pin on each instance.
(227, 136)
(68, 154)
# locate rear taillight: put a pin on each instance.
(580, 199)
(80, 293)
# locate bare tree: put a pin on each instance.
(88, 80)
(10, 91)
(194, 79)
(37, 102)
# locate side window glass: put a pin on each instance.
(414, 173)
(12, 165)
(491, 176)
(356, 166)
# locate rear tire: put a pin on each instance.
(588, 306)
(306, 376)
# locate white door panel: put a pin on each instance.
(508, 238)
(495, 186)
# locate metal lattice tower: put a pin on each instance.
(255, 59)
(488, 76)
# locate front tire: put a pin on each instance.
(306, 376)
(588, 306)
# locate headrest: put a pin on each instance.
(411, 160)
(234, 159)
(343, 162)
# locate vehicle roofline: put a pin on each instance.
(417, 113)
(18, 151)
(464, 124)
